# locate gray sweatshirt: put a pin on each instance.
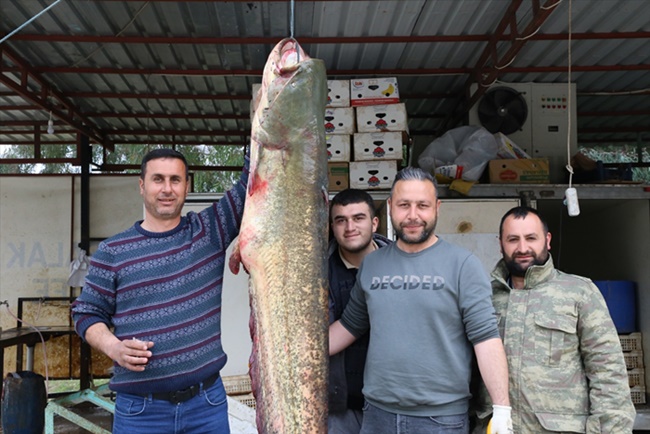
(425, 312)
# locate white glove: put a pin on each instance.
(501, 422)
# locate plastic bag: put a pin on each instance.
(463, 151)
(79, 269)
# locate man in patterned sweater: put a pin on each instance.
(152, 303)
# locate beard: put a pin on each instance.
(164, 212)
(426, 234)
(518, 269)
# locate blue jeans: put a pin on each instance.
(206, 413)
(377, 421)
(347, 422)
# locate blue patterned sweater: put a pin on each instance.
(166, 288)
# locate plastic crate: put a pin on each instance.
(636, 377)
(631, 342)
(237, 384)
(638, 394)
(633, 359)
(247, 399)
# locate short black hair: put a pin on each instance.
(162, 153)
(353, 195)
(520, 212)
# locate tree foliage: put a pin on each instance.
(207, 180)
(617, 153)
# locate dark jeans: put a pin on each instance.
(377, 421)
(348, 422)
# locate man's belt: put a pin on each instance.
(185, 394)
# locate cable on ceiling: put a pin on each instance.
(26, 23)
(126, 26)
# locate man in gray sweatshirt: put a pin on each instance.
(427, 305)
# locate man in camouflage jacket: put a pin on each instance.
(566, 368)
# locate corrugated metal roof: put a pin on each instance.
(141, 71)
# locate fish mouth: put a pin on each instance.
(291, 54)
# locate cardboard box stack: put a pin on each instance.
(239, 388)
(339, 127)
(633, 355)
(381, 128)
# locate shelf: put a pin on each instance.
(550, 191)
(528, 191)
(642, 420)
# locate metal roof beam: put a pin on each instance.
(71, 115)
(271, 40)
(244, 117)
(5, 108)
(486, 75)
(630, 129)
(120, 95)
(123, 167)
(128, 132)
(183, 143)
(125, 142)
(495, 72)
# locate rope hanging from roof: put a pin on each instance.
(292, 25)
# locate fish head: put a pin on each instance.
(291, 81)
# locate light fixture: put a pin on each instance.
(50, 125)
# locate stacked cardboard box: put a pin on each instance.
(381, 129)
(633, 355)
(515, 166)
(339, 127)
(239, 388)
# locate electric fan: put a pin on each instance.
(502, 110)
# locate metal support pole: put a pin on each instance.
(86, 159)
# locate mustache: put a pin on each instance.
(520, 254)
(416, 222)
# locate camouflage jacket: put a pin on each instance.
(567, 371)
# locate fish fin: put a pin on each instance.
(235, 258)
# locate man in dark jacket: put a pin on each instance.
(353, 223)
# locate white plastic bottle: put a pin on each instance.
(571, 201)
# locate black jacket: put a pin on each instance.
(346, 368)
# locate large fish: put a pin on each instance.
(283, 244)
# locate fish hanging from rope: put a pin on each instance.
(283, 245)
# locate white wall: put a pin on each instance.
(35, 223)
(39, 234)
(235, 311)
(474, 225)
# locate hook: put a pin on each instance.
(292, 21)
